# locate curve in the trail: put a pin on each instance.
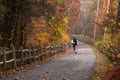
(72, 66)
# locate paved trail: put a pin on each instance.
(72, 66)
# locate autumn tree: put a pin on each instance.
(28, 22)
(87, 20)
(17, 19)
(50, 26)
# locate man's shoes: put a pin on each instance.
(75, 52)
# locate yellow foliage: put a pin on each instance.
(39, 39)
(116, 39)
(107, 38)
(65, 38)
(59, 1)
(96, 44)
(43, 37)
(64, 20)
(60, 36)
(58, 23)
(113, 55)
(56, 34)
(114, 62)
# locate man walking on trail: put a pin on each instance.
(74, 43)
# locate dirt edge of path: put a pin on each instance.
(102, 65)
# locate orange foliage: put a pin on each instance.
(113, 74)
(49, 1)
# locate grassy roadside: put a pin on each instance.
(102, 65)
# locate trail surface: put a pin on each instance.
(71, 66)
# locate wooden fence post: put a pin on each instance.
(46, 51)
(39, 51)
(53, 48)
(58, 48)
(42, 53)
(22, 61)
(29, 54)
(14, 56)
(65, 48)
(4, 59)
(50, 50)
(33, 52)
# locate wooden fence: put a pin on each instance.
(17, 58)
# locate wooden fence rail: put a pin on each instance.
(17, 58)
